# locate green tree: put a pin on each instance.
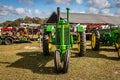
(27, 20)
(7, 23)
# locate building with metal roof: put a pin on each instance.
(84, 18)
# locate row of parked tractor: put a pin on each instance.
(63, 38)
(9, 35)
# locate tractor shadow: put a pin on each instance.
(95, 54)
(21, 42)
(34, 61)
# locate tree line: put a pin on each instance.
(16, 23)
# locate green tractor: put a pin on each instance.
(108, 36)
(118, 43)
(61, 36)
(6, 39)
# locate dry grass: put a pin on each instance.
(19, 63)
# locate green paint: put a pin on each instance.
(49, 28)
(80, 29)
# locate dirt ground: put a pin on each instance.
(25, 61)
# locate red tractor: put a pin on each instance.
(90, 28)
(8, 35)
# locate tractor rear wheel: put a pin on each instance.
(95, 40)
(8, 40)
(82, 43)
(119, 52)
(116, 42)
(57, 61)
(45, 45)
(66, 61)
(0, 41)
(116, 46)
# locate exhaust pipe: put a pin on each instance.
(58, 14)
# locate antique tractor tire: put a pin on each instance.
(117, 42)
(8, 40)
(57, 61)
(66, 61)
(61, 65)
(116, 46)
(95, 40)
(82, 44)
(0, 41)
(119, 52)
(46, 43)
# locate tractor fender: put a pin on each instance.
(80, 29)
(49, 28)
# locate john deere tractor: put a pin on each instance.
(61, 36)
(118, 43)
(108, 36)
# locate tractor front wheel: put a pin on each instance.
(119, 52)
(82, 43)
(66, 61)
(57, 60)
(8, 40)
(95, 40)
(45, 45)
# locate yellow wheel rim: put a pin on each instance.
(117, 45)
(79, 42)
(93, 40)
(50, 41)
(118, 52)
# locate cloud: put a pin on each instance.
(79, 1)
(23, 11)
(100, 4)
(118, 12)
(20, 11)
(105, 12)
(37, 13)
(100, 7)
(63, 1)
(93, 10)
(82, 12)
(4, 10)
(27, 2)
(100, 11)
(117, 3)
(3, 13)
(42, 14)
(76, 11)
(117, 6)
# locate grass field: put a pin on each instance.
(25, 61)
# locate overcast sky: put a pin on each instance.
(13, 9)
